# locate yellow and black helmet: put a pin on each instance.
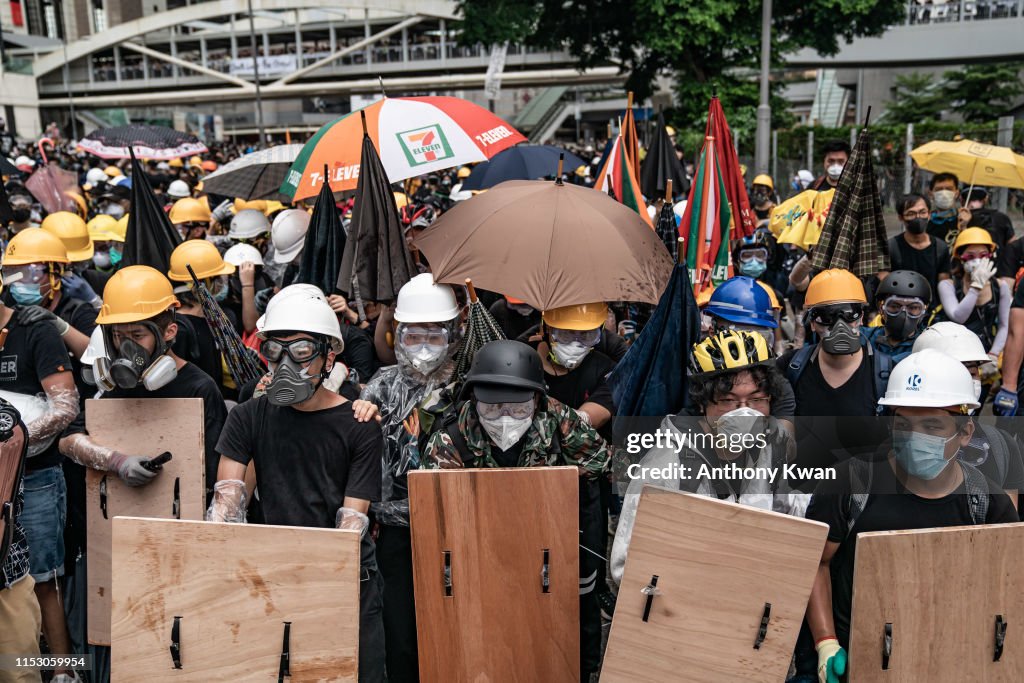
(729, 350)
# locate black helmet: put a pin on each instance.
(505, 371)
(904, 283)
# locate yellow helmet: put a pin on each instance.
(971, 236)
(764, 179)
(464, 172)
(834, 286)
(112, 171)
(188, 210)
(83, 209)
(34, 245)
(196, 162)
(204, 258)
(258, 204)
(135, 293)
(104, 228)
(578, 317)
(175, 163)
(729, 350)
(122, 224)
(72, 231)
(273, 206)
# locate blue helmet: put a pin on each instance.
(744, 301)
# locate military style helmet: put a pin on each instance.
(729, 350)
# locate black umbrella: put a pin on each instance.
(324, 245)
(150, 237)
(522, 162)
(6, 212)
(662, 165)
(667, 228)
(377, 261)
(149, 142)
(7, 168)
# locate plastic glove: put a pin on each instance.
(30, 315)
(347, 518)
(1005, 403)
(228, 504)
(981, 274)
(989, 371)
(831, 661)
(77, 288)
(131, 470)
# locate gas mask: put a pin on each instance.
(901, 326)
(944, 199)
(840, 339)
(291, 383)
(133, 364)
(834, 171)
(759, 197)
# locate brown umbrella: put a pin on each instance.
(549, 244)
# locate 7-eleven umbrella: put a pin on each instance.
(413, 135)
(705, 224)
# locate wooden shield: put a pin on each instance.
(945, 593)
(139, 427)
(232, 588)
(719, 566)
(496, 572)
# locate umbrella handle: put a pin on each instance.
(668, 191)
(472, 291)
(42, 152)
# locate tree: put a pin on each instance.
(918, 98)
(983, 92)
(707, 45)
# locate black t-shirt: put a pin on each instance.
(196, 344)
(359, 354)
(997, 223)
(30, 354)
(191, 382)
(306, 462)
(97, 279)
(586, 383)
(891, 508)
(944, 229)
(1011, 259)
(511, 323)
(929, 262)
(815, 397)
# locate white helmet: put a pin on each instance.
(96, 348)
(953, 340)
(243, 253)
(96, 176)
(289, 234)
(301, 308)
(422, 301)
(248, 223)
(178, 189)
(930, 379)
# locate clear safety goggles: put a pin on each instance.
(299, 350)
(912, 306)
(29, 273)
(760, 253)
(585, 337)
(414, 338)
(492, 411)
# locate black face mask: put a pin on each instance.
(900, 327)
(917, 226)
(21, 215)
(842, 340)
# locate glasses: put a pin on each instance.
(971, 257)
(492, 411)
(415, 338)
(914, 308)
(299, 350)
(760, 254)
(829, 316)
(761, 404)
(911, 215)
(585, 337)
(30, 273)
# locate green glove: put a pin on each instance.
(831, 661)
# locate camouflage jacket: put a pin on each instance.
(557, 437)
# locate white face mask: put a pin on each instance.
(977, 389)
(428, 358)
(834, 171)
(740, 421)
(569, 355)
(506, 430)
(944, 199)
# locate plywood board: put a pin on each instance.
(717, 564)
(234, 587)
(941, 590)
(139, 427)
(498, 624)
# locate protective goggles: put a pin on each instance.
(492, 411)
(830, 315)
(29, 273)
(913, 307)
(415, 338)
(760, 253)
(972, 257)
(299, 350)
(585, 337)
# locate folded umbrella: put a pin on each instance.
(481, 328)
(150, 238)
(240, 359)
(661, 166)
(549, 244)
(323, 246)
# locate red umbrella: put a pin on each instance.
(735, 189)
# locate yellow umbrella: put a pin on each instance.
(973, 162)
(799, 220)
